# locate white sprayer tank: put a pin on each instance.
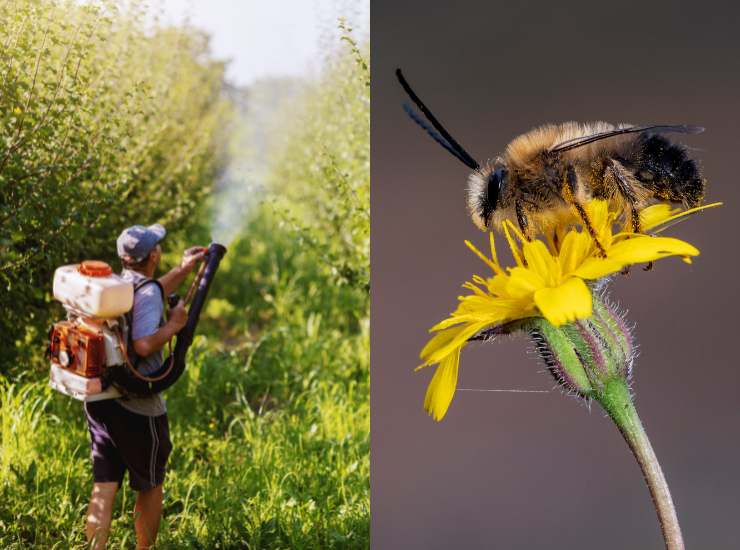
(91, 288)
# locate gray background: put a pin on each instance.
(529, 471)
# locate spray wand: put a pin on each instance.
(135, 383)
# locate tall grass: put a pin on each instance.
(242, 474)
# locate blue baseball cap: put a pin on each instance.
(136, 242)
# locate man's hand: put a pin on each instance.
(191, 257)
(178, 316)
(175, 276)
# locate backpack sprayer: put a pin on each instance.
(89, 350)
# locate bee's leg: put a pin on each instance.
(521, 218)
(626, 190)
(569, 193)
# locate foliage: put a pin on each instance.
(270, 422)
(102, 125)
(322, 175)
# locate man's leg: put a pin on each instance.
(99, 513)
(146, 459)
(147, 513)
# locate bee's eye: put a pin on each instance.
(495, 180)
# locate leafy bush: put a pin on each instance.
(322, 176)
(102, 125)
(310, 236)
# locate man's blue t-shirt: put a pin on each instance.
(147, 319)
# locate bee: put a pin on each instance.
(548, 171)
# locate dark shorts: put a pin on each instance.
(122, 440)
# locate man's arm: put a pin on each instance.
(154, 342)
(174, 277)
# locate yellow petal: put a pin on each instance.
(596, 268)
(508, 228)
(494, 267)
(643, 248)
(601, 220)
(494, 310)
(598, 214)
(494, 257)
(565, 303)
(540, 261)
(438, 341)
(656, 214)
(497, 285)
(444, 324)
(574, 250)
(669, 222)
(522, 282)
(439, 351)
(474, 309)
(660, 219)
(442, 387)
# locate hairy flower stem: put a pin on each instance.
(593, 358)
(616, 400)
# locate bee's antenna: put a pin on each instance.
(413, 115)
(445, 139)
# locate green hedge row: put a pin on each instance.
(105, 121)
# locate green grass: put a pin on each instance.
(270, 423)
(246, 472)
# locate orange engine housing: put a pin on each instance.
(74, 348)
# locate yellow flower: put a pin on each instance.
(549, 280)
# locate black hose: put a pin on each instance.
(121, 376)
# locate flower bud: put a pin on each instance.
(585, 354)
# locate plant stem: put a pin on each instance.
(616, 400)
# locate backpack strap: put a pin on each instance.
(145, 282)
(129, 315)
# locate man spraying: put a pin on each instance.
(132, 433)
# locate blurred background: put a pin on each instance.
(540, 470)
(240, 122)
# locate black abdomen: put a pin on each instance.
(665, 168)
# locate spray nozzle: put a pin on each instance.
(218, 250)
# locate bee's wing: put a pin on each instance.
(661, 129)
